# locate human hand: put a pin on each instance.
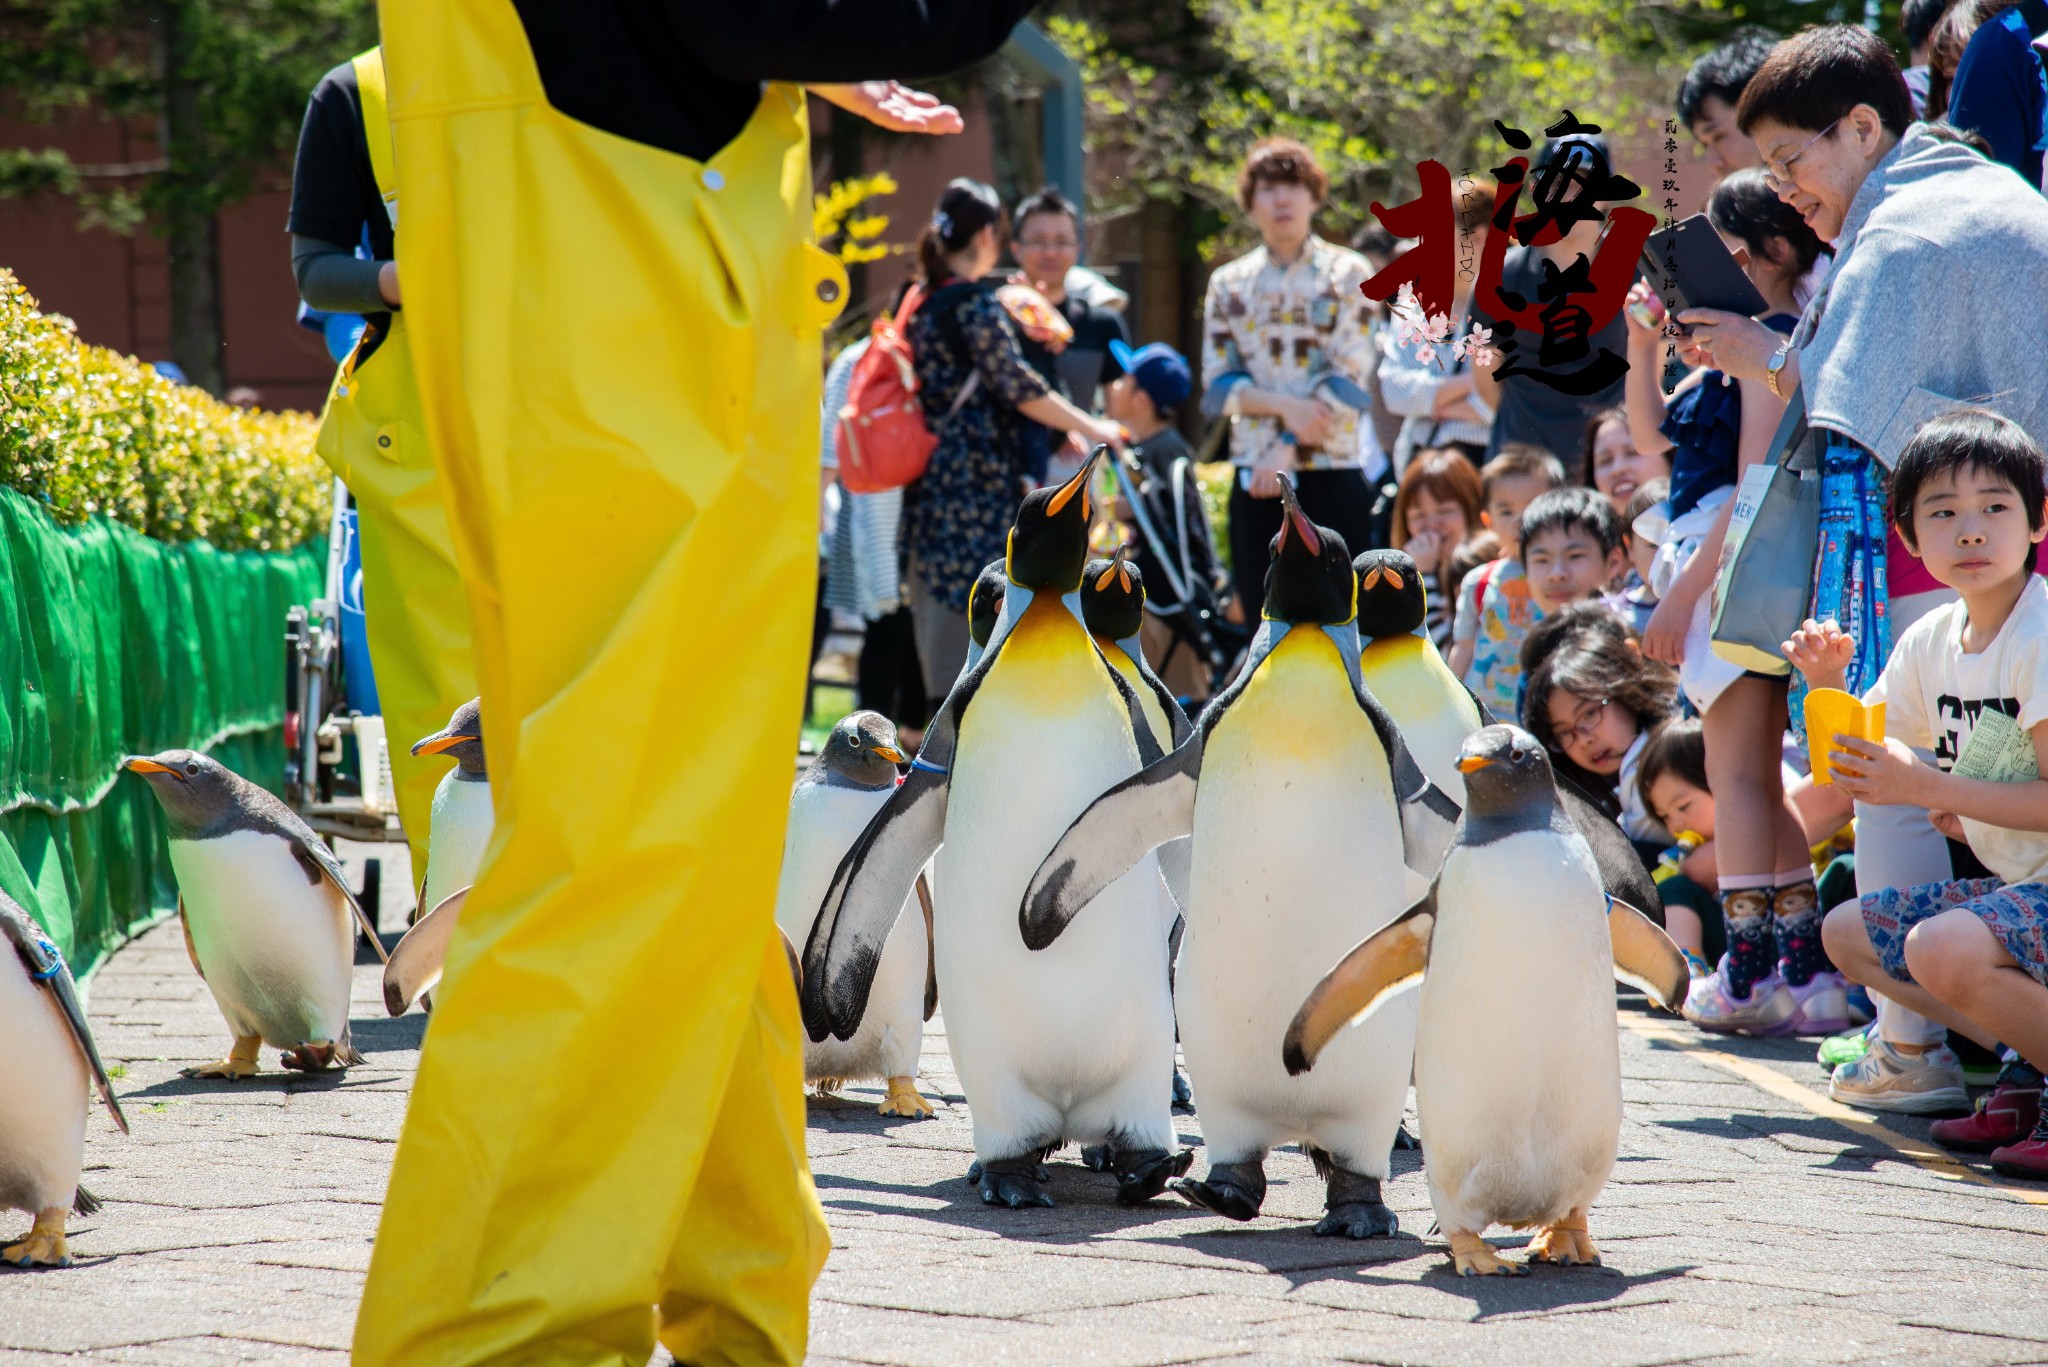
(1309, 420)
(1265, 481)
(1700, 866)
(1664, 634)
(1424, 548)
(1642, 302)
(1732, 344)
(1822, 652)
(890, 105)
(1883, 772)
(387, 284)
(1948, 823)
(1105, 432)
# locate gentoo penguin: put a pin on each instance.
(270, 922)
(1307, 814)
(1436, 712)
(1074, 1045)
(462, 821)
(852, 776)
(1522, 1123)
(47, 1061)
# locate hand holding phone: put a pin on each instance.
(1689, 267)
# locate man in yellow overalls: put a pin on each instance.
(616, 322)
(345, 192)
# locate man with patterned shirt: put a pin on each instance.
(1285, 356)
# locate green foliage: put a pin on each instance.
(225, 80)
(86, 431)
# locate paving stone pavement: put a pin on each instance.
(1740, 1227)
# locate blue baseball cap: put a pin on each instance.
(1159, 370)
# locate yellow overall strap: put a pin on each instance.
(377, 127)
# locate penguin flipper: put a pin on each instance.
(796, 963)
(1388, 960)
(1621, 869)
(1645, 957)
(1151, 807)
(931, 953)
(1429, 815)
(415, 966)
(319, 862)
(84, 1202)
(45, 965)
(867, 894)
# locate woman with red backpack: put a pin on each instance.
(980, 397)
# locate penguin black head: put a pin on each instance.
(862, 751)
(1049, 543)
(198, 794)
(1112, 597)
(1390, 597)
(985, 602)
(462, 737)
(1309, 582)
(1508, 783)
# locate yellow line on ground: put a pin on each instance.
(1761, 1075)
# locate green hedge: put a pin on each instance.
(85, 431)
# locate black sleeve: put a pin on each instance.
(843, 40)
(333, 189)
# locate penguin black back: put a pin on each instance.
(1309, 582)
(1390, 594)
(1049, 543)
(985, 602)
(1112, 597)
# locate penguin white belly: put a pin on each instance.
(1075, 1041)
(458, 837)
(1427, 702)
(1517, 1067)
(824, 821)
(1297, 857)
(277, 950)
(42, 1096)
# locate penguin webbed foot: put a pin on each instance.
(44, 1245)
(1018, 1183)
(240, 1062)
(904, 1100)
(1183, 1094)
(827, 1088)
(1098, 1157)
(1142, 1174)
(1354, 1205)
(1472, 1256)
(1233, 1190)
(317, 1056)
(1566, 1243)
(1405, 1139)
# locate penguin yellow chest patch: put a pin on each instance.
(1427, 702)
(1047, 670)
(1298, 710)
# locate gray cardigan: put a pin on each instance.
(1937, 297)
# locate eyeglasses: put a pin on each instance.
(1778, 174)
(1049, 244)
(1582, 728)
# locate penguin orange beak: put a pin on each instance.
(136, 764)
(1077, 485)
(890, 753)
(1470, 763)
(1296, 520)
(434, 745)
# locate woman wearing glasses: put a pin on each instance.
(1939, 285)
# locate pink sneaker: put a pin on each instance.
(1770, 1008)
(1821, 1007)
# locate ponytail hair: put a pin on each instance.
(965, 207)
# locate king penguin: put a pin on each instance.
(1307, 814)
(1523, 1123)
(1070, 1046)
(47, 1062)
(984, 605)
(462, 820)
(270, 922)
(1436, 712)
(852, 776)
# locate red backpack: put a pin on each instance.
(882, 439)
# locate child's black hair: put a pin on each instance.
(1677, 747)
(1573, 508)
(1587, 650)
(1968, 438)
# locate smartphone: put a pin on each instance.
(1690, 267)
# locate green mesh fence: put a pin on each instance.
(113, 644)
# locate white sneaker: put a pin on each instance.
(1886, 1080)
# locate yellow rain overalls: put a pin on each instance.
(619, 352)
(415, 609)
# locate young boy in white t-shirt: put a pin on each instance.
(1970, 682)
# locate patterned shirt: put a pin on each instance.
(1288, 327)
(1495, 612)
